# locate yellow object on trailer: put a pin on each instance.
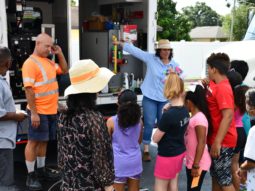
(114, 56)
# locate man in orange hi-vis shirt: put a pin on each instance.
(41, 88)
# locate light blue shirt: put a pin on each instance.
(156, 73)
(8, 129)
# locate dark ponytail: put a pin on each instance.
(198, 98)
(129, 112)
(239, 96)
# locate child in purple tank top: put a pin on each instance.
(125, 129)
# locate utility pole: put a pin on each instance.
(232, 21)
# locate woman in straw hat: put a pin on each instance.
(158, 67)
(85, 150)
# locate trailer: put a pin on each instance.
(99, 22)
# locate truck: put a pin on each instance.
(99, 21)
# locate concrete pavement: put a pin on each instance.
(147, 180)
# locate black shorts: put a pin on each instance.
(190, 179)
(241, 139)
(221, 167)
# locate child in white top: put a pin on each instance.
(247, 169)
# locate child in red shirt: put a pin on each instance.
(222, 136)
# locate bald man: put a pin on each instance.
(41, 88)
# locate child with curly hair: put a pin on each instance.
(125, 129)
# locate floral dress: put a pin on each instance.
(85, 154)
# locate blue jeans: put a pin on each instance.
(152, 110)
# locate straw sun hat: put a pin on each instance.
(87, 77)
(163, 44)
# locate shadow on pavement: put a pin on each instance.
(20, 169)
(147, 179)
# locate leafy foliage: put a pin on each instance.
(175, 26)
(202, 15)
(247, 2)
(240, 22)
(73, 3)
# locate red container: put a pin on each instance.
(128, 32)
(85, 25)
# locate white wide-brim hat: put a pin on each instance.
(87, 77)
(163, 44)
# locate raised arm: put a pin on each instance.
(62, 61)
(134, 51)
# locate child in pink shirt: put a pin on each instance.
(198, 160)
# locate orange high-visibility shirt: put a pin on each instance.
(40, 74)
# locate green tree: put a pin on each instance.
(240, 22)
(73, 3)
(202, 15)
(247, 2)
(175, 26)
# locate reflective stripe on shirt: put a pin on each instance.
(31, 80)
(46, 93)
(56, 66)
(45, 82)
(45, 78)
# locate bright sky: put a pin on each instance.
(218, 5)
